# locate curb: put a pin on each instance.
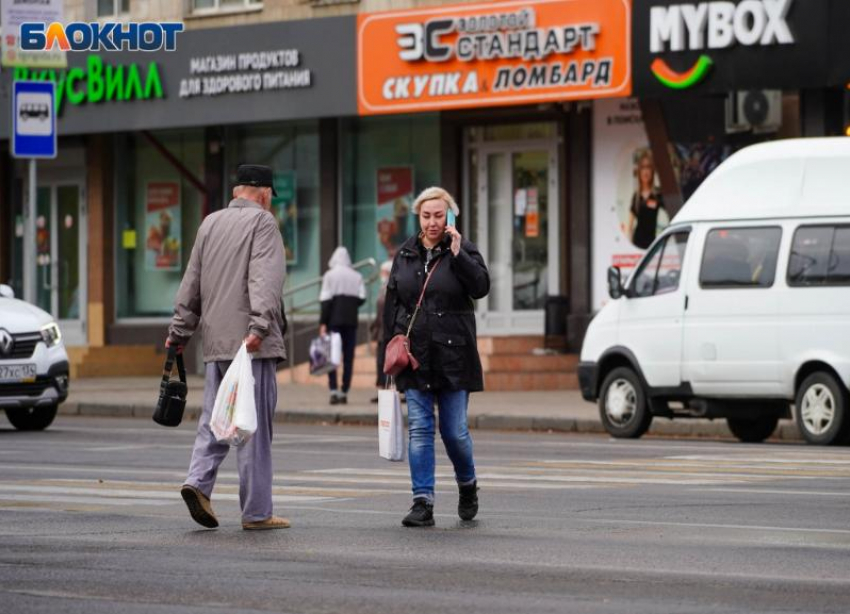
(695, 429)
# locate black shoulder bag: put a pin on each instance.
(172, 393)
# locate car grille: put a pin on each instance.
(25, 389)
(24, 345)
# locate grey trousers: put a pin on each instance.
(254, 459)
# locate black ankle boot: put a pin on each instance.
(467, 505)
(420, 515)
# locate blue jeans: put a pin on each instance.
(454, 431)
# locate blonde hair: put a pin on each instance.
(435, 193)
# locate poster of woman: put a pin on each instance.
(644, 221)
(628, 210)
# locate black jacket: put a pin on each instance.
(340, 311)
(443, 338)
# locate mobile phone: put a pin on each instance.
(450, 218)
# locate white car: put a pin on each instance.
(741, 308)
(33, 364)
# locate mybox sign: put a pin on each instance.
(721, 45)
(494, 53)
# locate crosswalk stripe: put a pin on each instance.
(70, 498)
(405, 482)
(147, 495)
(693, 470)
(768, 460)
(41, 469)
(226, 486)
(768, 491)
(701, 525)
(280, 435)
(744, 474)
(136, 447)
(526, 479)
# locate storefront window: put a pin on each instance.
(292, 151)
(158, 211)
(387, 161)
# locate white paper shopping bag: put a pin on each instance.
(390, 425)
(336, 350)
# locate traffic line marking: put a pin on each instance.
(529, 480)
(766, 491)
(146, 495)
(701, 525)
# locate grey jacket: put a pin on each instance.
(233, 284)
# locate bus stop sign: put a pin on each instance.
(34, 119)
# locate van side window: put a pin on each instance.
(820, 255)
(839, 260)
(740, 258)
(810, 255)
(662, 270)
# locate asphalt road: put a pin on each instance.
(92, 521)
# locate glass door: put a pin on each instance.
(516, 228)
(61, 258)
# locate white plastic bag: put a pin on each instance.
(336, 349)
(390, 425)
(325, 354)
(234, 416)
(320, 356)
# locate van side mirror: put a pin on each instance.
(6, 291)
(615, 283)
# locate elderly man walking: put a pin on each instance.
(232, 290)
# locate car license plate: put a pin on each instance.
(17, 373)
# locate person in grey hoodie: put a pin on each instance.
(343, 291)
(232, 291)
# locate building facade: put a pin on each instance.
(542, 117)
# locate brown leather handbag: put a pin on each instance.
(398, 356)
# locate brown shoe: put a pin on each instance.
(272, 522)
(199, 506)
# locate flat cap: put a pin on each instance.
(255, 175)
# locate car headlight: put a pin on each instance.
(51, 334)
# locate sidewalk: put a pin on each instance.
(559, 411)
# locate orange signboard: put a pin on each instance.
(493, 53)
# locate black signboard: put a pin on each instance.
(241, 74)
(717, 46)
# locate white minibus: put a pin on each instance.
(740, 309)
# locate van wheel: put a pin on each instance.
(753, 430)
(622, 405)
(822, 409)
(32, 418)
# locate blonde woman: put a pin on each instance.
(443, 340)
(646, 202)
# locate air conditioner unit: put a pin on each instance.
(754, 110)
